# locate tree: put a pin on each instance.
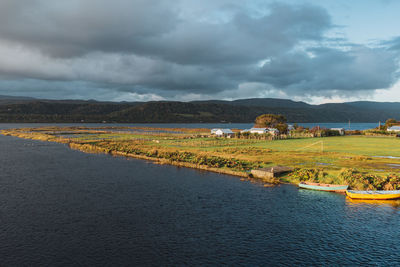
(282, 128)
(269, 120)
(390, 122)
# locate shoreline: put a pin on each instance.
(96, 150)
(91, 149)
(195, 149)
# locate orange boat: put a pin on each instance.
(381, 194)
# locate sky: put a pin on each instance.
(140, 50)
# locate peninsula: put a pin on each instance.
(363, 161)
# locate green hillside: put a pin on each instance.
(244, 110)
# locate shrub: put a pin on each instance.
(366, 181)
(307, 174)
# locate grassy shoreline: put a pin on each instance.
(363, 162)
(93, 149)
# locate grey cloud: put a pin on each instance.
(244, 39)
(154, 28)
(165, 48)
(111, 68)
(74, 27)
(359, 68)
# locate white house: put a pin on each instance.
(222, 132)
(340, 130)
(272, 131)
(290, 127)
(258, 130)
(213, 131)
(394, 129)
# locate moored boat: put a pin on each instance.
(380, 194)
(323, 187)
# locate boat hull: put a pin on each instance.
(382, 195)
(324, 187)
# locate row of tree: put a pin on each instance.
(279, 122)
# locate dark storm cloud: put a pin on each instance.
(71, 28)
(155, 29)
(167, 48)
(323, 69)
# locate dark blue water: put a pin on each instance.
(352, 126)
(64, 207)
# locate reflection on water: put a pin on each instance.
(392, 203)
(325, 194)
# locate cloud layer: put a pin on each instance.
(181, 49)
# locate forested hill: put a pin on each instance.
(19, 109)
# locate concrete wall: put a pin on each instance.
(262, 174)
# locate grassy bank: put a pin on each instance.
(363, 162)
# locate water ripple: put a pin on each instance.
(64, 207)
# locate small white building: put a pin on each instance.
(290, 127)
(340, 130)
(213, 131)
(394, 129)
(222, 132)
(258, 130)
(271, 131)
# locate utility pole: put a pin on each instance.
(349, 124)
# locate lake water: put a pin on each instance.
(353, 126)
(65, 207)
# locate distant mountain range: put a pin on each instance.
(25, 109)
